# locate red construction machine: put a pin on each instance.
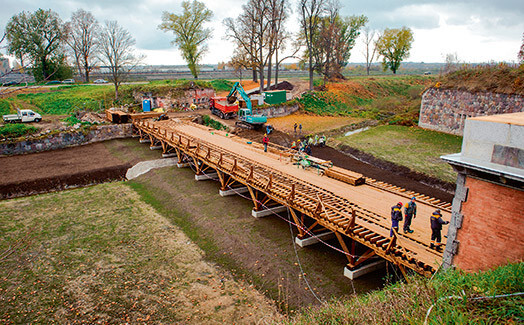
(221, 108)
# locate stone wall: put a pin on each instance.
(66, 139)
(446, 110)
(277, 111)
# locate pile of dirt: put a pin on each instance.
(284, 85)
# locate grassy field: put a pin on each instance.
(415, 148)
(409, 303)
(101, 255)
(68, 99)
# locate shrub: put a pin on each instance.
(16, 130)
(208, 121)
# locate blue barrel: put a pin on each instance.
(146, 105)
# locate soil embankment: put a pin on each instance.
(57, 170)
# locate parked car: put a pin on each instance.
(53, 82)
(22, 116)
(69, 81)
(100, 81)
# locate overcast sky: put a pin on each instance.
(476, 30)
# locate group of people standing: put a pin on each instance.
(410, 212)
(308, 142)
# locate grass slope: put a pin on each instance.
(409, 303)
(413, 147)
(68, 99)
(101, 255)
(393, 99)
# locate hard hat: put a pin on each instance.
(400, 203)
(413, 198)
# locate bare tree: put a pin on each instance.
(310, 11)
(83, 40)
(370, 43)
(249, 32)
(277, 15)
(116, 52)
(521, 51)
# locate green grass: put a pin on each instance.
(5, 107)
(68, 99)
(101, 255)
(16, 130)
(208, 121)
(408, 303)
(413, 147)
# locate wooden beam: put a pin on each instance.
(344, 248)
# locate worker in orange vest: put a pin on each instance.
(294, 145)
(265, 141)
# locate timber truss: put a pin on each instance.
(313, 209)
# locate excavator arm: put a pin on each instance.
(237, 88)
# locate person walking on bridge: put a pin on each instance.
(410, 212)
(396, 216)
(265, 141)
(436, 228)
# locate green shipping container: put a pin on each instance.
(275, 96)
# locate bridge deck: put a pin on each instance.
(360, 213)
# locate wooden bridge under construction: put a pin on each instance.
(323, 199)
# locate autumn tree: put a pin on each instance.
(310, 12)
(116, 52)
(190, 34)
(84, 32)
(38, 38)
(394, 46)
(369, 38)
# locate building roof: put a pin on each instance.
(493, 144)
(511, 118)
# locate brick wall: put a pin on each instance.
(66, 139)
(492, 231)
(445, 110)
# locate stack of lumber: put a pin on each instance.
(345, 175)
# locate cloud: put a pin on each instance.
(491, 29)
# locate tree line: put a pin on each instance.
(42, 41)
